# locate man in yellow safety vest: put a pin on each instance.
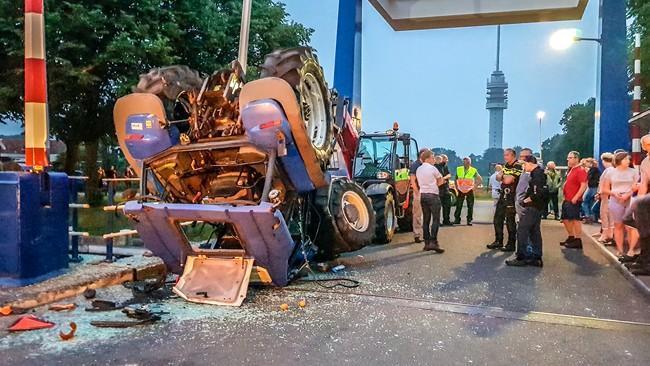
(466, 179)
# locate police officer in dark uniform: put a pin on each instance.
(505, 210)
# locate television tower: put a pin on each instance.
(497, 100)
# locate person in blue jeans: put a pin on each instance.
(593, 178)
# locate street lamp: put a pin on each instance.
(540, 117)
(565, 38)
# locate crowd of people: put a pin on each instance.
(524, 193)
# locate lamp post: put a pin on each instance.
(540, 117)
(564, 38)
(612, 108)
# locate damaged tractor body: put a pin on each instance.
(251, 162)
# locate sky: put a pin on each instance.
(433, 82)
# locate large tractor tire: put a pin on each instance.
(347, 219)
(300, 68)
(167, 82)
(384, 207)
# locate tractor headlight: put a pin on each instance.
(383, 175)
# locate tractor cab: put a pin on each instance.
(381, 167)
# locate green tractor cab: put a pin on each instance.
(381, 167)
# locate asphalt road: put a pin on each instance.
(412, 308)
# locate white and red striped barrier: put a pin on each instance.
(635, 130)
(36, 120)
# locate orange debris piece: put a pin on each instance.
(30, 322)
(6, 310)
(62, 307)
(69, 335)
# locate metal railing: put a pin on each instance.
(77, 184)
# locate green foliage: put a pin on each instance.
(454, 159)
(577, 133)
(97, 49)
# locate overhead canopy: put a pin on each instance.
(429, 14)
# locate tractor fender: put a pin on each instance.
(378, 189)
(280, 91)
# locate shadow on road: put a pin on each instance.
(499, 284)
(584, 266)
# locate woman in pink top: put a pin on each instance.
(620, 184)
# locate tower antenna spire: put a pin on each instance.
(498, 45)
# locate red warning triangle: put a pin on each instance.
(30, 322)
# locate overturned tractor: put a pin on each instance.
(256, 162)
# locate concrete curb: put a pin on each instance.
(82, 277)
(640, 285)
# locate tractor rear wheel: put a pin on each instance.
(300, 68)
(384, 207)
(349, 222)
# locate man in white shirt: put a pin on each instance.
(429, 178)
(495, 185)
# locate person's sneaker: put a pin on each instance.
(535, 263)
(457, 222)
(436, 247)
(574, 244)
(427, 246)
(516, 262)
(628, 259)
(469, 223)
(569, 239)
(508, 248)
(633, 265)
(494, 245)
(417, 239)
(447, 223)
(643, 271)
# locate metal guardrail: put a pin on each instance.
(74, 206)
(111, 207)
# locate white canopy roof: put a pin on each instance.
(429, 14)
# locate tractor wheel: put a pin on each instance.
(300, 68)
(167, 82)
(384, 207)
(349, 224)
(405, 223)
(352, 213)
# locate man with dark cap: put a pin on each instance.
(531, 206)
(505, 209)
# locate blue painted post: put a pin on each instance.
(612, 104)
(33, 227)
(347, 68)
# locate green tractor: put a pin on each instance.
(381, 167)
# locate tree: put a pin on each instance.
(96, 50)
(577, 133)
(454, 159)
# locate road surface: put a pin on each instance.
(411, 308)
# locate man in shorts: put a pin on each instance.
(574, 188)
